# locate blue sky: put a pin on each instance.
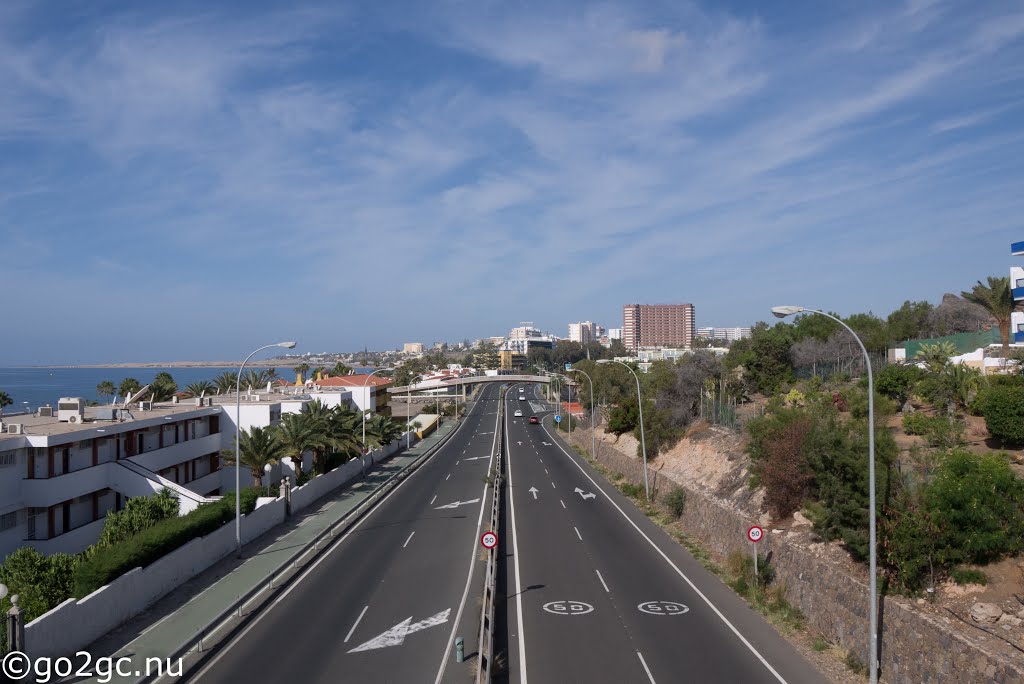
(184, 181)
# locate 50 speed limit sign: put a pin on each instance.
(755, 533)
(489, 540)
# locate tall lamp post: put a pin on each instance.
(640, 405)
(238, 441)
(782, 312)
(408, 409)
(366, 380)
(593, 439)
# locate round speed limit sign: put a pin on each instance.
(755, 533)
(489, 540)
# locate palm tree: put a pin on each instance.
(258, 447)
(163, 387)
(272, 373)
(997, 299)
(299, 434)
(340, 369)
(301, 369)
(345, 430)
(381, 430)
(105, 389)
(316, 371)
(5, 400)
(964, 383)
(225, 382)
(128, 386)
(197, 389)
(255, 378)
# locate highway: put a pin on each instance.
(383, 604)
(598, 593)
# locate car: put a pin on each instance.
(534, 420)
(518, 414)
(522, 398)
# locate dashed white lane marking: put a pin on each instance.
(449, 475)
(578, 533)
(356, 624)
(545, 471)
(552, 485)
(561, 502)
(409, 539)
(602, 580)
(433, 500)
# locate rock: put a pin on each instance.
(1007, 619)
(920, 602)
(800, 519)
(986, 613)
(1020, 613)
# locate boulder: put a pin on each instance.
(986, 613)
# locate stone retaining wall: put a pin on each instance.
(916, 646)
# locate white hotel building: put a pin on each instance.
(61, 474)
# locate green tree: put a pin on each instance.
(163, 387)
(765, 357)
(997, 299)
(41, 582)
(872, 331)
(301, 369)
(225, 382)
(105, 389)
(128, 386)
(1003, 408)
(5, 400)
(910, 321)
(299, 434)
(936, 355)
(897, 381)
(197, 389)
(381, 430)
(259, 447)
(340, 369)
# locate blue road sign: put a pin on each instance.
(558, 419)
(568, 366)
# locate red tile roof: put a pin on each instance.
(354, 381)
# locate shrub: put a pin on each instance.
(1003, 408)
(784, 472)
(968, 576)
(139, 513)
(676, 501)
(634, 491)
(897, 381)
(915, 423)
(107, 564)
(939, 431)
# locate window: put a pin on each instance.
(8, 458)
(8, 521)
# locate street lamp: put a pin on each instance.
(782, 312)
(408, 409)
(238, 441)
(267, 468)
(362, 458)
(640, 405)
(593, 439)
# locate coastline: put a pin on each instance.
(262, 363)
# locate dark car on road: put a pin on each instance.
(533, 420)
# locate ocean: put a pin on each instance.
(33, 387)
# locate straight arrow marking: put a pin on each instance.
(396, 635)
(533, 490)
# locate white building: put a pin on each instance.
(60, 478)
(524, 331)
(727, 334)
(583, 332)
(614, 333)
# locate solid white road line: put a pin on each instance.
(519, 576)
(578, 533)
(409, 539)
(433, 500)
(355, 624)
(602, 580)
(561, 502)
(445, 657)
(675, 567)
(646, 669)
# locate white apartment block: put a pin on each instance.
(583, 332)
(728, 334)
(60, 478)
(614, 333)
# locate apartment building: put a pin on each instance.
(368, 393)
(657, 325)
(727, 334)
(583, 332)
(62, 471)
(413, 348)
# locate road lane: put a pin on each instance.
(382, 605)
(649, 622)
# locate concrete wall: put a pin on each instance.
(916, 646)
(76, 623)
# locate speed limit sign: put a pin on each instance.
(489, 540)
(755, 533)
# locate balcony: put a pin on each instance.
(50, 491)
(1017, 282)
(172, 455)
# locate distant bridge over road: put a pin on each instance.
(471, 380)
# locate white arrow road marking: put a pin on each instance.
(396, 635)
(533, 490)
(546, 443)
(588, 495)
(475, 458)
(519, 443)
(456, 504)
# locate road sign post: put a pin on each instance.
(754, 534)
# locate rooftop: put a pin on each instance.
(357, 380)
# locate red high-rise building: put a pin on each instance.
(657, 325)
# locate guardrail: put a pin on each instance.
(485, 647)
(277, 580)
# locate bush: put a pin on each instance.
(916, 423)
(676, 501)
(139, 513)
(897, 381)
(634, 491)
(1003, 408)
(784, 472)
(107, 564)
(939, 431)
(967, 576)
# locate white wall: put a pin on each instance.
(75, 624)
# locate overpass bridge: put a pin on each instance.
(470, 380)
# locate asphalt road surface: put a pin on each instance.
(382, 605)
(599, 593)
